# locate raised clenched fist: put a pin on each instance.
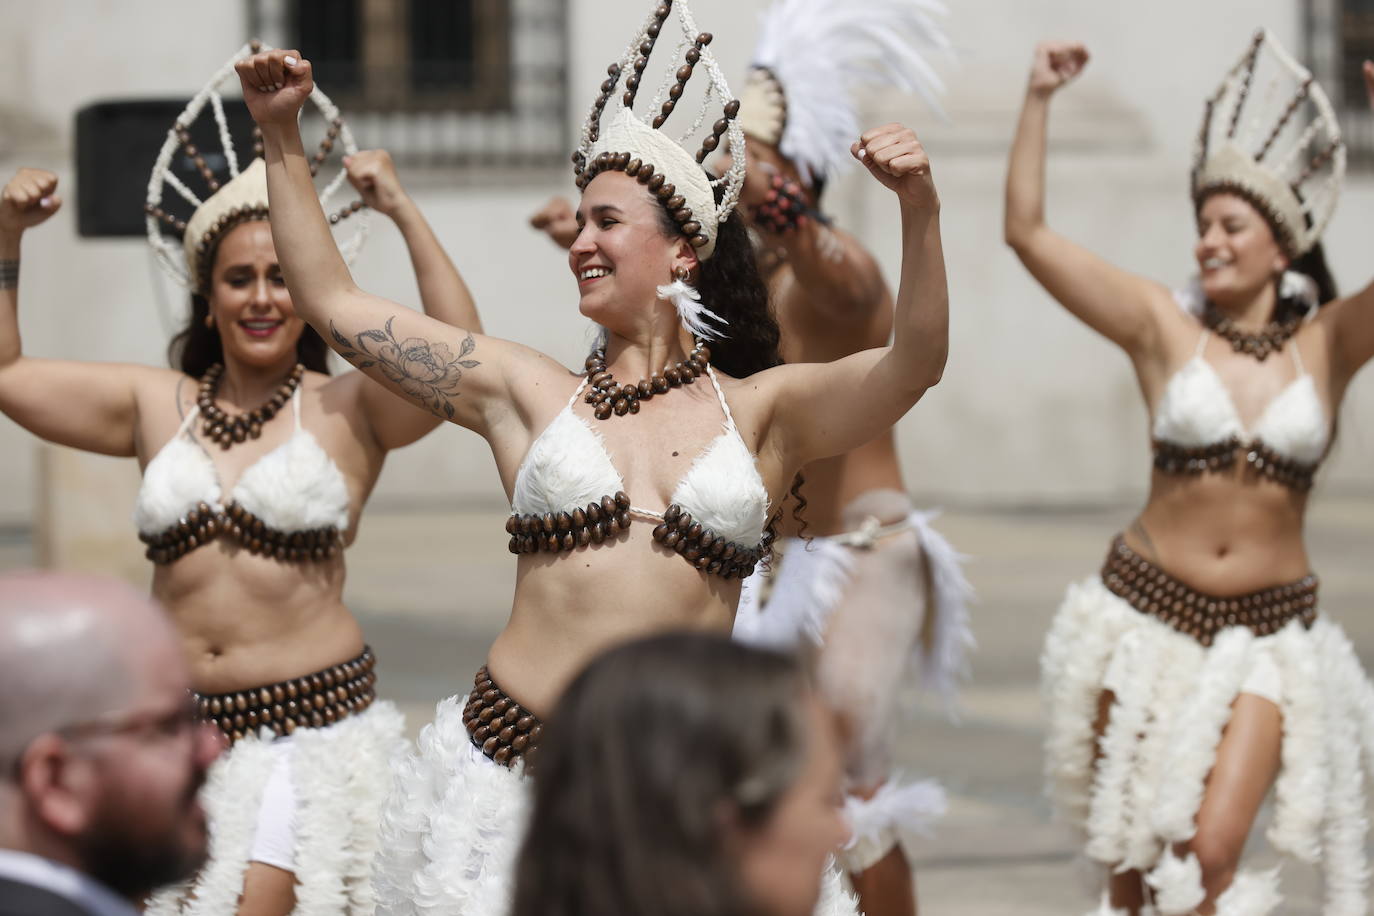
(275, 86)
(1056, 63)
(895, 157)
(557, 220)
(374, 175)
(28, 199)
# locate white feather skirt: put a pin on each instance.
(453, 826)
(341, 775)
(1173, 700)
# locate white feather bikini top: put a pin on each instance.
(292, 503)
(569, 494)
(1197, 427)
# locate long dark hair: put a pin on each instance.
(731, 286)
(197, 346)
(647, 748)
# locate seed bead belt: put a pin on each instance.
(1150, 590)
(499, 726)
(310, 701)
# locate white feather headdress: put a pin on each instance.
(813, 56)
(235, 197)
(1269, 133)
(623, 141)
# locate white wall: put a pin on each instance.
(1033, 408)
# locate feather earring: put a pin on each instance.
(685, 298)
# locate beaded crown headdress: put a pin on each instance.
(1269, 134)
(813, 56)
(621, 140)
(235, 195)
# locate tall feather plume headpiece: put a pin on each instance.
(234, 195)
(1270, 135)
(814, 56)
(621, 140)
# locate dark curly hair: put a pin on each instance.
(197, 347)
(731, 286)
(646, 750)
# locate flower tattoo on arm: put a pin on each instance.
(429, 372)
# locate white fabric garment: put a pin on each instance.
(64, 881)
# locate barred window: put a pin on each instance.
(437, 82)
(1340, 37)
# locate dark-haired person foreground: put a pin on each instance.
(1197, 671)
(640, 493)
(256, 466)
(101, 759)
(684, 775)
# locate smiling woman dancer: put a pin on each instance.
(1197, 671)
(664, 448)
(256, 465)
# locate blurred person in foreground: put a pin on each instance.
(101, 760)
(684, 774)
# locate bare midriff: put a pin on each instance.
(571, 606)
(246, 621)
(1223, 533)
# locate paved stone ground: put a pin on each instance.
(432, 589)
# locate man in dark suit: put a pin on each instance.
(101, 759)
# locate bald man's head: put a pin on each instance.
(101, 761)
(72, 648)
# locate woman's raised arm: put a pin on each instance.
(1119, 305)
(454, 373)
(1352, 318)
(90, 406)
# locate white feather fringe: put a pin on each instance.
(340, 775)
(1174, 698)
(807, 589)
(823, 52)
(895, 813)
(567, 465)
(1252, 894)
(1177, 884)
(685, 298)
(723, 489)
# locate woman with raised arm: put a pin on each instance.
(653, 453)
(256, 466)
(1196, 672)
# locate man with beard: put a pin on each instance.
(101, 759)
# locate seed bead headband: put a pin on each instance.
(623, 141)
(1270, 135)
(235, 197)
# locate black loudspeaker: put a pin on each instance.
(116, 146)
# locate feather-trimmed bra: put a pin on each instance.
(568, 494)
(1197, 428)
(291, 504)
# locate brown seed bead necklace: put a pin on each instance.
(1259, 344)
(227, 430)
(608, 397)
